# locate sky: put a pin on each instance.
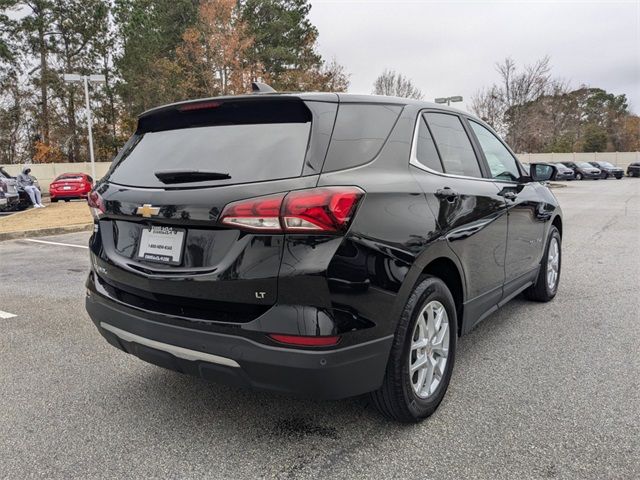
(451, 48)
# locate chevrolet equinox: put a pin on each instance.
(320, 244)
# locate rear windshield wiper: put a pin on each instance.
(186, 176)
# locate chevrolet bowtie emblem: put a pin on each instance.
(147, 210)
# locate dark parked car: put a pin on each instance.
(633, 169)
(326, 245)
(9, 197)
(564, 172)
(608, 170)
(584, 170)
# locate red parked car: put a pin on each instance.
(70, 185)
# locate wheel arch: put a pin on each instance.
(437, 260)
(447, 271)
(557, 222)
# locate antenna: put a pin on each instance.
(259, 87)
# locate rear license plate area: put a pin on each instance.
(161, 245)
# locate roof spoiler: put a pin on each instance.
(259, 87)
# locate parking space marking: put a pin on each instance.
(55, 243)
(5, 315)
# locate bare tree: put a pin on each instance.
(503, 104)
(487, 104)
(396, 85)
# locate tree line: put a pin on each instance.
(536, 112)
(151, 52)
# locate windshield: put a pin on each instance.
(585, 165)
(560, 165)
(606, 164)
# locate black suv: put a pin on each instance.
(326, 245)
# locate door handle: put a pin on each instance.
(510, 195)
(447, 194)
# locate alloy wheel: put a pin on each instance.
(429, 349)
(553, 264)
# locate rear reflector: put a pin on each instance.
(324, 209)
(305, 341)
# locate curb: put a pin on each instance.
(43, 232)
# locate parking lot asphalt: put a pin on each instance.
(539, 390)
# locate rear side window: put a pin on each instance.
(456, 152)
(359, 134)
(250, 143)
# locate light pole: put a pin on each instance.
(77, 78)
(448, 100)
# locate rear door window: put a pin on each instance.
(456, 152)
(426, 152)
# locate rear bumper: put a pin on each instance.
(9, 200)
(55, 194)
(565, 176)
(235, 360)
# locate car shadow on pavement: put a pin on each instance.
(205, 403)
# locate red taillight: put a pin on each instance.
(303, 341)
(261, 213)
(96, 204)
(324, 209)
(327, 209)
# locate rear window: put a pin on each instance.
(250, 144)
(69, 177)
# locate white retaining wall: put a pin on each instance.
(46, 172)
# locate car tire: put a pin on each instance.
(578, 176)
(546, 285)
(397, 398)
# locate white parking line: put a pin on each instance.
(5, 315)
(55, 243)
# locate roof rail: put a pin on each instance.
(259, 87)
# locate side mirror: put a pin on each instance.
(542, 172)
